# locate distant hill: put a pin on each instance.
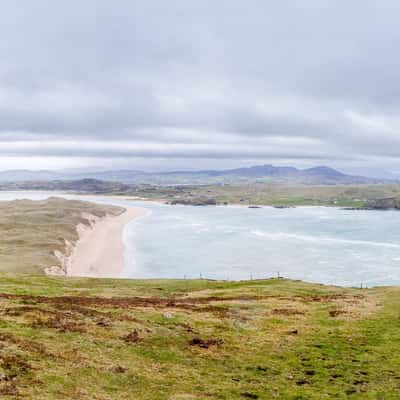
(86, 185)
(320, 175)
(20, 175)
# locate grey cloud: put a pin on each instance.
(118, 150)
(200, 79)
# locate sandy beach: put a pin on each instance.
(99, 252)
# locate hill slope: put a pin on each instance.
(157, 340)
(321, 175)
(31, 231)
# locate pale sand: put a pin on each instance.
(99, 252)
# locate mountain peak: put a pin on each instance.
(319, 175)
(323, 170)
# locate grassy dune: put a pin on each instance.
(129, 339)
(30, 231)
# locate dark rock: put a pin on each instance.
(388, 203)
(132, 337)
(118, 369)
(205, 343)
(195, 202)
(249, 395)
(356, 208)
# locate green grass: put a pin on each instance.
(67, 338)
(109, 339)
(276, 194)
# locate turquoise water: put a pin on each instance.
(317, 244)
(314, 244)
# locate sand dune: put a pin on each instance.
(99, 252)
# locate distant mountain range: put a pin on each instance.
(320, 175)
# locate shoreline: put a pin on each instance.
(99, 252)
(131, 198)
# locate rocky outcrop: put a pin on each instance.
(388, 203)
(200, 201)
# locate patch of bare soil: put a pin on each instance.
(352, 304)
(132, 337)
(14, 363)
(205, 343)
(287, 311)
(71, 312)
(61, 323)
(78, 304)
(23, 344)
(9, 389)
(12, 368)
(336, 313)
(174, 302)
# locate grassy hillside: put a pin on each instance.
(125, 339)
(273, 194)
(30, 231)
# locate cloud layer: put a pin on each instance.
(194, 83)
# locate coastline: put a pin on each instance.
(99, 251)
(131, 198)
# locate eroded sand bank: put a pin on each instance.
(99, 252)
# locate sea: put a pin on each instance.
(315, 244)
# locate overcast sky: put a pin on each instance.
(195, 83)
